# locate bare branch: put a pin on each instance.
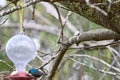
(32, 25)
(111, 49)
(95, 7)
(18, 7)
(96, 46)
(6, 63)
(95, 35)
(61, 53)
(62, 27)
(96, 59)
(5, 20)
(102, 71)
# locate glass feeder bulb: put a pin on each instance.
(20, 49)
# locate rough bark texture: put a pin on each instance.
(111, 21)
(95, 35)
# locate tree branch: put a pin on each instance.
(111, 21)
(96, 46)
(61, 53)
(31, 25)
(102, 71)
(97, 35)
(18, 7)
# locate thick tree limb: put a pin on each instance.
(111, 21)
(97, 35)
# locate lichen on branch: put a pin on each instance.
(111, 21)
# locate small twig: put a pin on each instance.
(61, 38)
(18, 7)
(112, 63)
(95, 7)
(96, 46)
(45, 54)
(111, 49)
(62, 7)
(52, 58)
(13, 67)
(96, 59)
(68, 15)
(97, 4)
(39, 57)
(6, 63)
(47, 62)
(102, 71)
(109, 5)
(33, 13)
(61, 23)
(5, 6)
(5, 19)
(116, 1)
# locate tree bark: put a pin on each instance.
(111, 21)
(94, 35)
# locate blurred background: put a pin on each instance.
(77, 64)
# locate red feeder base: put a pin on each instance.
(20, 76)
